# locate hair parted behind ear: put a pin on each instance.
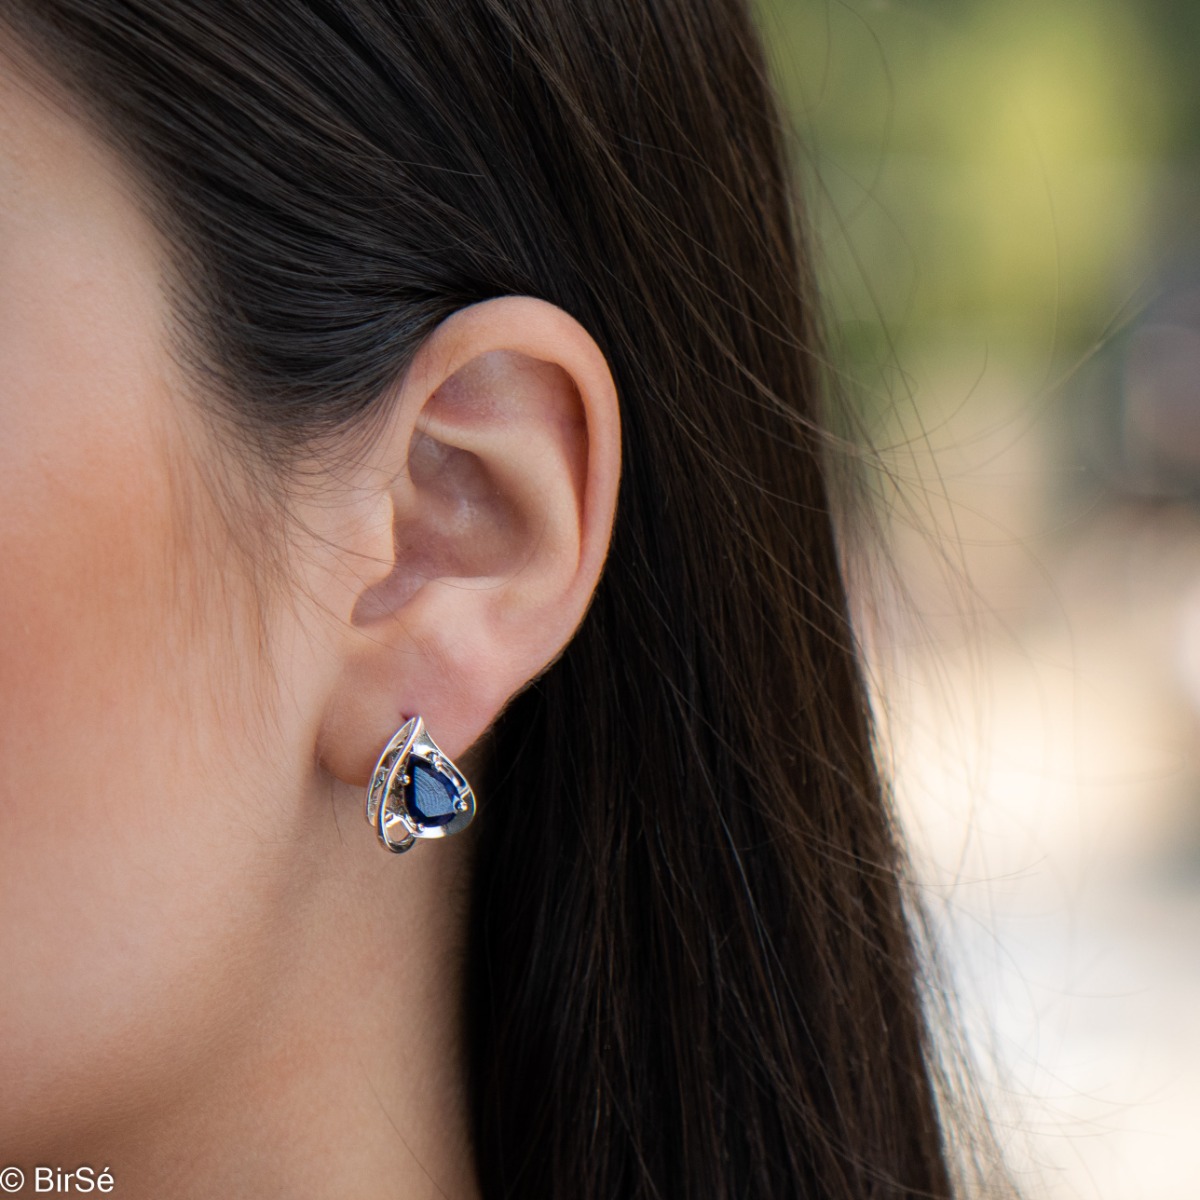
(692, 971)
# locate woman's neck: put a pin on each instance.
(341, 1071)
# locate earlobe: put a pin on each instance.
(498, 473)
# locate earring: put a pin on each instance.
(416, 791)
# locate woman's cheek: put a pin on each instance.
(122, 834)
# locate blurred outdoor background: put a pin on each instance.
(1007, 202)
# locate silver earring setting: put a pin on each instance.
(416, 792)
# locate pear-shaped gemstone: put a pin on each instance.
(431, 796)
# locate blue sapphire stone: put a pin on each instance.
(431, 796)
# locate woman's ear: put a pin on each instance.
(490, 509)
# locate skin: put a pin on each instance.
(212, 980)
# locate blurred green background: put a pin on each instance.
(1000, 171)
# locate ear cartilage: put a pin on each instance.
(416, 792)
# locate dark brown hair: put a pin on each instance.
(691, 970)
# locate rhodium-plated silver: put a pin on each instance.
(387, 793)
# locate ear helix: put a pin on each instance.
(416, 792)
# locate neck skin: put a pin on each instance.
(344, 1071)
